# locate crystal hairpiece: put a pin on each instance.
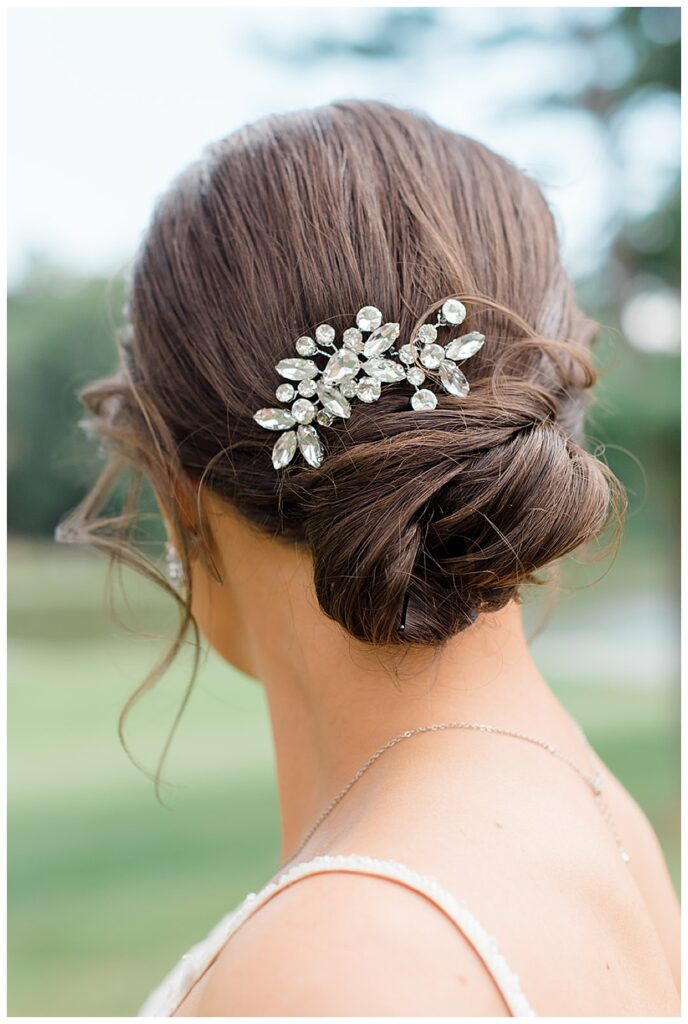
(357, 370)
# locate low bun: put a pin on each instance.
(415, 533)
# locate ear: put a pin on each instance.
(189, 514)
(179, 507)
(186, 495)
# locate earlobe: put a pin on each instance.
(196, 506)
(175, 567)
(187, 497)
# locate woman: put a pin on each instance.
(355, 376)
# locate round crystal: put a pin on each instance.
(353, 339)
(427, 334)
(285, 392)
(349, 388)
(423, 399)
(369, 389)
(325, 334)
(431, 356)
(303, 411)
(307, 388)
(453, 311)
(406, 354)
(305, 346)
(324, 418)
(415, 375)
(369, 318)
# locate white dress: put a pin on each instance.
(165, 999)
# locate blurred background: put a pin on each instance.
(108, 887)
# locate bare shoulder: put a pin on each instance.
(340, 944)
(649, 868)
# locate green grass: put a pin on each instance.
(106, 886)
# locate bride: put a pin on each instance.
(355, 377)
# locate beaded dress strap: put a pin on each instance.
(169, 995)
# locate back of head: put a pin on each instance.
(439, 514)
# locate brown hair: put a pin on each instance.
(303, 219)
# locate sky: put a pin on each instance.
(106, 105)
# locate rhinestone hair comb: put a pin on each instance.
(357, 370)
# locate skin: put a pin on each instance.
(506, 827)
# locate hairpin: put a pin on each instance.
(357, 370)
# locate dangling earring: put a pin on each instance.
(175, 569)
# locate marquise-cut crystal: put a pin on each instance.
(342, 365)
(297, 369)
(385, 370)
(285, 392)
(414, 375)
(284, 449)
(325, 334)
(305, 346)
(423, 399)
(453, 380)
(431, 356)
(407, 354)
(380, 340)
(353, 339)
(427, 334)
(309, 445)
(274, 419)
(369, 318)
(369, 389)
(348, 388)
(334, 402)
(303, 410)
(466, 346)
(453, 311)
(307, 388)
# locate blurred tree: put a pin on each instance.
(626, 55)
(650, 36)
(60, 337)
(640, 401)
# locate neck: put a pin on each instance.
(334, 701)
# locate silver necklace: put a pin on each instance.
(594, 781)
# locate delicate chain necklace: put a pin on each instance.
(594, 781)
